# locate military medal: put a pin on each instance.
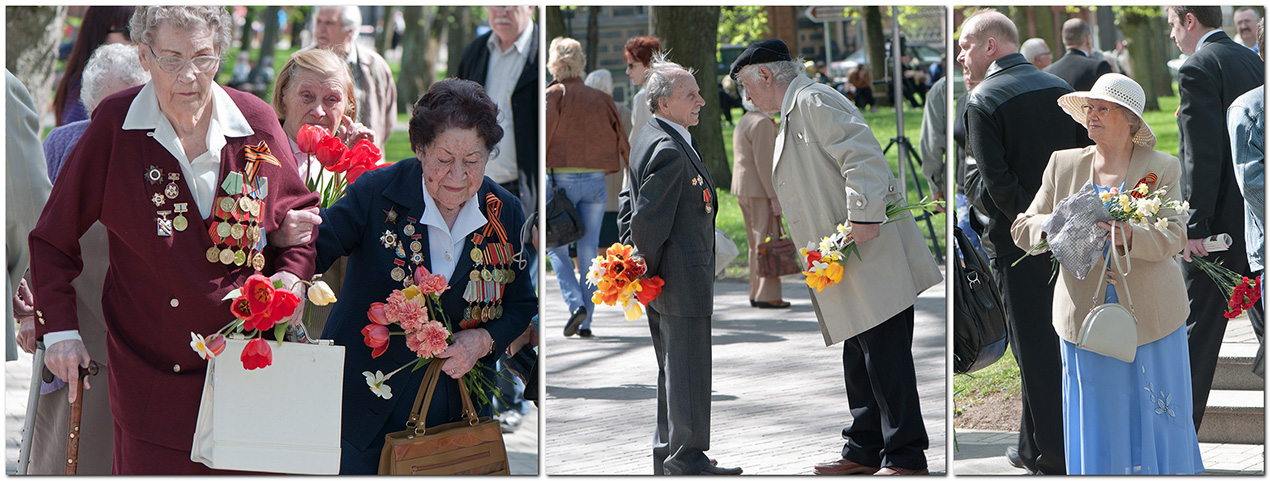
(398, 274)
(390, 215)
(474, 275)
(154, 175)
(180, 223)
(226, 256)
(158, 200)
(258, 262)
(389, 239)
(236, 231)
(409, 229)
(477, 257)
(172, 190)
(165, 225)
(213, 254)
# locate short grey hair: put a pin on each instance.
(147, 19)
(1034, 47)
(350, 16)
(600, 80)
(784, 71)
(661, 77)
(1135, 122)
(110, 63)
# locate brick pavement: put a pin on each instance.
(779, 403)
(522, 445)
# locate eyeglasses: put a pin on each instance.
(172, 63)
(1101, 111)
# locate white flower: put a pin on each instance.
(596, 273)
(842, 228)
(817, 266)
(200, 347)
(827, 244)
(1162, 224)
(376, 382)
(1186, 206)
(320, 294)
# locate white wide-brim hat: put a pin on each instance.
(1118, 89)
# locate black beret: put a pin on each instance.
(764, 51)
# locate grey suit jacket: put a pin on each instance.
(27, 189)
(667, 213)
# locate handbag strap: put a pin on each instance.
(423, 400)
(779, 220)
(1113, 259)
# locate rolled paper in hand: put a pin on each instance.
(1217, 242)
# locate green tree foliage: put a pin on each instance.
(742, 25)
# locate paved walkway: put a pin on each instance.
(779, 401)
(983, 452)
(522, 446)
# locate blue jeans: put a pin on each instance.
(589, 194)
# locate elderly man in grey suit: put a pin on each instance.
(667, 213)
(829, 169)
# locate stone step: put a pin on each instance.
(1234, 417)
(1234, 368)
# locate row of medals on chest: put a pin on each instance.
(485, 286)
(236, 235)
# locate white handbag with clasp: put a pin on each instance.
(1110, 329)
(284, 418)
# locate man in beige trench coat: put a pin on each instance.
(829, 169)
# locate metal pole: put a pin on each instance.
(827, 56)
(897, 85)
(32, 406)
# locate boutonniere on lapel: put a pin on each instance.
(699, 181)
(237, 237)
(410, 236)
(492, 258)
(826, 262)
(416, 311)
(344, 163)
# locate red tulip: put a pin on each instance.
(241, 307)
(215, 343)
(376, 337)
(329, 151)
(812, 256)
(259, 292)
(309, 137)
(363, 153)
(283, 305)
(376, 314)
(256, 354)
(650, 288)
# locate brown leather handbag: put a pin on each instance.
(473, 445)
(777, 257)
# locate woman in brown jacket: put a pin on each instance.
(585, 140)
(753, 143)
(1122, 417)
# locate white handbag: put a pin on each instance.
(1110, 329)
(284, 418)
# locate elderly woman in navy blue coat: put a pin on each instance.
(439, 211)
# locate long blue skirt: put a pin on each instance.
(1130, 418)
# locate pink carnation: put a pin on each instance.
(428, 282)
(429, 340)
(413, 314)
(396, 306)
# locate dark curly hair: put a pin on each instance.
(454, 104)
(642, 48)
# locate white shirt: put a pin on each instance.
(202, 172)
(505, 67)
(639, 112)
(683, 132)
(1200, 43)
(445, 244)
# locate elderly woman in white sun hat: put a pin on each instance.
(1121, 417)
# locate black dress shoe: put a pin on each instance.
(770, 304)
(584, 333)
(1012, 455)
(575, 320)
(716, 470)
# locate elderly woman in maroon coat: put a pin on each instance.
(187, 178)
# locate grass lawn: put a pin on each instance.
(883, 124)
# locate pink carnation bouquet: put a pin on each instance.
(416, 310)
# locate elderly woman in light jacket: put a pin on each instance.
(1122, 418)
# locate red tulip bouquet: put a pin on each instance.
(345, 163)
(416, 310)
(258, 307)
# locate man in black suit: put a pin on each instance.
(505, 61)
(1013, 124)
(667, 213)
(1076, 67)
(1217, 72)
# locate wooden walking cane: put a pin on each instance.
(77, 411)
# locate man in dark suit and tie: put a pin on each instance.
(667, 213)
(1217, 72)
(1076, 66)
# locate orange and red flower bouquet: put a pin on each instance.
(618, 277)
(346, 163)
(416, 310)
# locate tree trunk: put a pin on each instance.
(875, 41)
(692, 32)
(1161, 52)
(555, 22)
(33, 35)
(1146, 54)
(459, 29)
(592, 37)
(298, 18)
(415, 76)
(384, 43)
(1043, 23)
(248, 35)
(269, 42)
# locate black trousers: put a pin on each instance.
(1029, 298)
(1206, 325)
(886, 428)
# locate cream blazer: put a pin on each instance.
(1155, 277)
(829, 169)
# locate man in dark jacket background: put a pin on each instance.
(1013, 124)
(1217, 72)
(1076, 67)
